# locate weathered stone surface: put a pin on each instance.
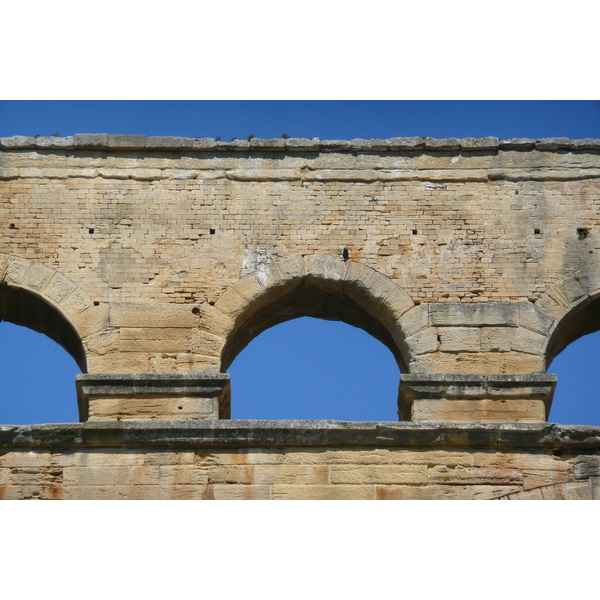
(167, 255)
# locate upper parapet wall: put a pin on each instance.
(96, 141)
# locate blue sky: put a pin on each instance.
(299, 369)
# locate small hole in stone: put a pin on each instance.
(12, 226)
(345, 254)
(212, 303)
(196, 310)
(212, 231)
(537, 231)
(414, 232)
(517, 193)
(96, 303)
(180, 407)
(90, 230)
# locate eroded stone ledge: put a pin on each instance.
(177, 144)
(272, 434)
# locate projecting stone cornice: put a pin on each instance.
(103, 141)
(272, 434)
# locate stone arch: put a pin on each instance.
(316, 286)
(39, 297)
(574, 306)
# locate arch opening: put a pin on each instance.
(37, 378)
(24, 308)
(330, 300)
(583, 320)
(309, 368)
(573, 352)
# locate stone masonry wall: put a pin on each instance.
(298, 460)
(155, 261)
(140, 222)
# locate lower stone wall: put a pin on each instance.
(298, 460)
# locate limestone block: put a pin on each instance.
(525, 340)
(300, 144)
(425, 492)
(492, 492)
(534, 478)
(16, 270)
(38, 277)
(459, 339)
(58, 288)
(284, 273)
(516, 460)
(442, 144)
(91, 140)
(214, 321)
(325, 268)
(531, 317)
(129, 142)
(571, 290)
(102, 343)
(290, 474)
(476, 398)
(595, 488)
(96, 476)
(18, 141)
(76, 302)
(474, 476)
(267, 456)
(397, 302)
(495, 339)
(394, 474)
(153, 396)
(479, 411)
(169, 143)
(586, 466)
(359, 279)
(152, 408)
(479, 314)
(553, 304)
(26, 459)
(423, 342)
(206, 343)
(264, 175)
(54, 142)
(478, 363)
(241, 492)
(131, 362)
(175, 475)
(92, 320)
(232, 304)
(405, 143)
(154, 339)
(361, 175)
(152, 315)
(323, 492)
(9, 173)
(487, 143)
(575, 490)
(414, 320)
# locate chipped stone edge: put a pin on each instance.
(103, 141)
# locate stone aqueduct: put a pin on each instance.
(154, 261)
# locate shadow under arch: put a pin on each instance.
(324, 287)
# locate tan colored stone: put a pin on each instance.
(323, 492)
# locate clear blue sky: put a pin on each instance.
(299, 369)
